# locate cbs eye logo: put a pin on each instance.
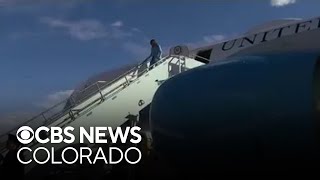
(25, 135)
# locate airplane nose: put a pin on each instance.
(246, 113)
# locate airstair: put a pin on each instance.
(111, 104)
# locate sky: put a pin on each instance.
(48, 47)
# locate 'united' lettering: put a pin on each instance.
(251, 41)
(225, 43)
(280, 31)
(302, 26)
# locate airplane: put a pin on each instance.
(244, 104)
(252, 110)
